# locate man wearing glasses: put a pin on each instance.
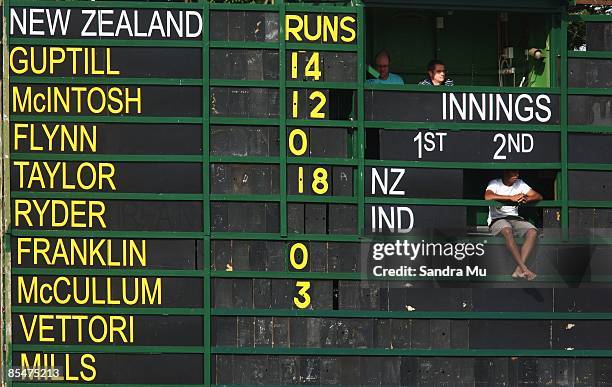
(436, 75)
(382, 66)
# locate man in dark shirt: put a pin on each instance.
(436, 75)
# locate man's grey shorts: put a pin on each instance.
(519, 227)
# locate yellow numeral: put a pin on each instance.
(302, 135)
(294, 65)
(292, 253)
(304, 286)
(319, 181)
(312, 67)
(300, 179)
(294, 103)
(316, 112)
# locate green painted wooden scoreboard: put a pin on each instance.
(206, 193)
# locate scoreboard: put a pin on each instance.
(196, 190)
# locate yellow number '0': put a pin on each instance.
(304, 286)
(292, 251)
(302, 135)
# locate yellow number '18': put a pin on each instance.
(319, 180)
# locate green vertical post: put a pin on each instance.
(554, 51)
(360, 119)
(282, 114)
(206, 192)
(563, 122)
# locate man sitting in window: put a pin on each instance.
(506, 220)
(436, 75)
(382, 66)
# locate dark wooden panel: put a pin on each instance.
(584, 72)
(241, 102)
(119, 23)
(589, 148)
(123, 330)
(106, 253)
(244, 26)
(151, 292)
(244, 179)
(469, 146)
(425, 219)
(455, 107)
(114, 215)
(244, 217)
(590, 185)
(154, 101)
(109, 138)
(589, 110)
(120, 368)
(133, 62)
(84, 176)
(243, 141)
(414, 182)
(243, 64)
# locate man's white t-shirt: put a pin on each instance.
(498, 187)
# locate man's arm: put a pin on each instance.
(490, 195)
(532, 196)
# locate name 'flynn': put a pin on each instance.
(143, 23)
(496, 107)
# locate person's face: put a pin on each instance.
(382, 66)
(511, 176)
(438, 74)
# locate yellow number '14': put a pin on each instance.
(312, 68)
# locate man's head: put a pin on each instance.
(382, 64)
(510, 176)
(437, 72)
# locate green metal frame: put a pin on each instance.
(559, 39)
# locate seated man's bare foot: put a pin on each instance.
(529, 275)
(518, 274)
